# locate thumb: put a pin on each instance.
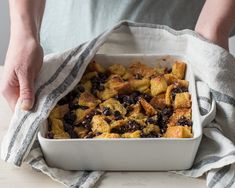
(26, 83)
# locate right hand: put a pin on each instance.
(22, 65)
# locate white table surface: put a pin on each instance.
(25, 177)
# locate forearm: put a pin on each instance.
(217, 19)
(26, 17)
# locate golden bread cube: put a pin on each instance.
(81, 114)
(182, 100)
(150, 111)
(135, 134)
(127, 75)
(87, 99)
(87, 86)
(170, 78)
(81, 131)
(178, 69)
(117, 69)
(179, 113)
(108, 135)
(107, 93)
(178, 132)
(168, 96)
(136, 112)
(115, 82)
(158, 85)
(59, 111)
(57, 128)
(99, 125)
(95, 67)
(136, 108)
(160, 70)
(182, 83)
(158, 102)
(87, 76)
(113, 105)
(151, 128)
(139, 85)
(118, 123)
(142, 70)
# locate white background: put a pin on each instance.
(5, 33)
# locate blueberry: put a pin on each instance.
(67, 127)
(70, 117)
(178, 90)
(184, 121)
(72, 134)
(103, 77)
(147, 97)
(117, 115)
(107, 111)
(167, 111)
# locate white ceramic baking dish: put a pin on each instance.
(143, 154)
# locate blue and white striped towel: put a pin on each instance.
(214, 69)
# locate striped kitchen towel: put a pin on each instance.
(214, 70)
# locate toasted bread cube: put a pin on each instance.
(108, 135)
(115, 82)
(178, 132)
(170, 78)
(158, 85)
(150, 111)
(143, 70)
(59, 111)
(81, 114)
(57, 128)
(118, 123)
(87, 86)
(151, 128)
(86, 77)
(158, 102)
(168, 95)
(140, 85)
(95, 67)
(99, 125)
(160, 71)
(117, 69)
(136, 108)
(178, 69)
(114, 105)
(81, 131)
(135, 134)
(182, 83)
(179, 113)
(182, 100)
(136, 112)
(127, 76)
(87, 99)
(107, 93)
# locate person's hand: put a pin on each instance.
(215, 35)
(22, 65)
(216, 21)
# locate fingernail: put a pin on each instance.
(26, 104)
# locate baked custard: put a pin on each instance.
(125, 102)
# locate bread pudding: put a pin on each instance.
(137, 101)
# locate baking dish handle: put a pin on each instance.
(210, 116)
